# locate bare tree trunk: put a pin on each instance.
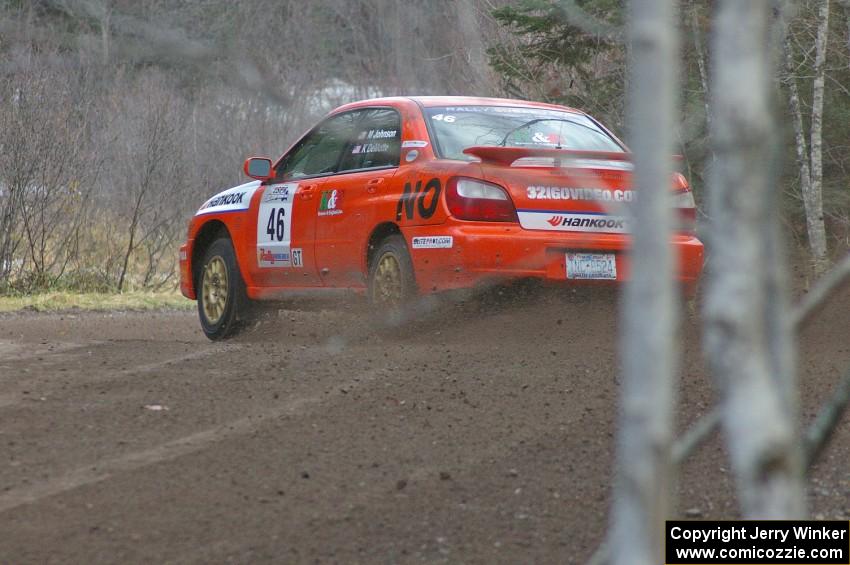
(781, 324)
(813, 199)
(696, 32)
(105, 31)
(131, 245)
(747, 334)
(475, 51)
(846, 5)
(797, 116)
(642, 491)
(8, 229)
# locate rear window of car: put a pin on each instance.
(454, 128)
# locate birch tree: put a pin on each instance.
(641, 496)
(696, 34)
(814, 200)
(747, 329)
(473, 46)
(811, 163)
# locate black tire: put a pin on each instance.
(222, 303)
(395, 304)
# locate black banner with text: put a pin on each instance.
(804, 542)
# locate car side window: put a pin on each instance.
(318, 153)
(376, 142)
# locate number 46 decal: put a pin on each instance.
(275, 219)
(276, 227)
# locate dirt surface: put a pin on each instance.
(481, 434)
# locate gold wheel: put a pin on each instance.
(215, 289)
(389, 289)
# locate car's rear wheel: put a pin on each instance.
(392, 284)
(221, 296)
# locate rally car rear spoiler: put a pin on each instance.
(505, 156)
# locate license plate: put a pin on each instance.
(591, 266)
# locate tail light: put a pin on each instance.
(683, 202)
(470, 199)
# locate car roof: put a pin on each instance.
(431, 101)
(435, 101)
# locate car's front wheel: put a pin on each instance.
(392, 284)
(221, 293)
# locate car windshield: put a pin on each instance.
(457, 127)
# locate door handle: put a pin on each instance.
(307, 191)
(372, 185)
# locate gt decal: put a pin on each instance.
(274, 227)
(296, 258)
(417, 198)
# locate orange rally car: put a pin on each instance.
(398, 197)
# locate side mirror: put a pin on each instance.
(259, 168)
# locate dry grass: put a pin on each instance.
(55, 301)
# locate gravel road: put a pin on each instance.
(480, 434)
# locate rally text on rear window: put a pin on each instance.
(457, 127)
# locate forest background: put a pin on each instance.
(118, 118)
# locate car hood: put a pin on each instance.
(230, 200)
